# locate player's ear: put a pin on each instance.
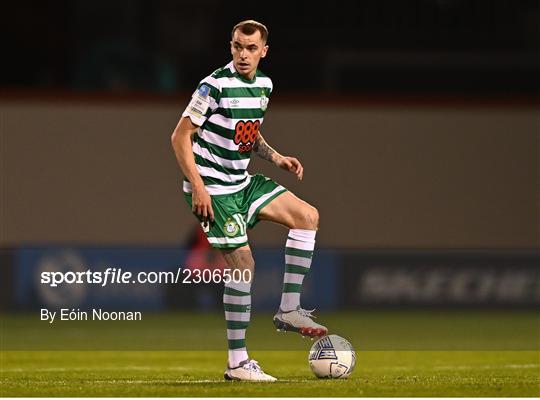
(264, 51)
(231, 47)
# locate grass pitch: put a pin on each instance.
(475, 359)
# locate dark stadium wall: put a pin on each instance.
(381, 176)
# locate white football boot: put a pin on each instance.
(248, 370)
(300, 321)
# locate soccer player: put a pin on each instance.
(213, 142)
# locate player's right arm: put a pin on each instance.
(181, 143)
(266, 152)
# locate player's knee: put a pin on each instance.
(311, 217)
(240, 259)
(314, 217)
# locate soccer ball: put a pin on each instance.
(332, 357)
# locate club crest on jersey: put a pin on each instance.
(264, 101)
(231, 227)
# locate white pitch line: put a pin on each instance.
(156, 381)
(140, 381)
(190, 381)
(467, 367)
(83, 369)
(147, 368)
(201, 381)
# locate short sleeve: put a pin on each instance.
(204, 101)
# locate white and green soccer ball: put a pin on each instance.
(332, 357)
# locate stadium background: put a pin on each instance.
(417, 124)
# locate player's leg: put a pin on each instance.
(292, 212)
(302, 219)
(228, 233)
(237, 305)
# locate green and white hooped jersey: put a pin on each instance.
(229, 110)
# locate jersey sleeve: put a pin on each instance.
(204, 101)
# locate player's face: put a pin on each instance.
(247, 51)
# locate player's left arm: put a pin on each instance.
(266, 152)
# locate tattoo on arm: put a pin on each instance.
(263, 150)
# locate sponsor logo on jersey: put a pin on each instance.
(200, 101)
(245, 134)
(205, 226)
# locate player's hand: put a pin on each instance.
(293, 165)
(202, 203)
